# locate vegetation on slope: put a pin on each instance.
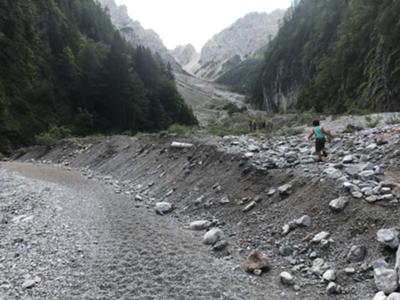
(334, 56)
(63, 64)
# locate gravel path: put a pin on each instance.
(74, 238)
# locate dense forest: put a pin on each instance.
(63, 65)
(334, 56)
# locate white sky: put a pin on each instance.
(180, 22)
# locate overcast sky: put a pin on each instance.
(180, 22)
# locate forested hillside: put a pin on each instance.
(334, 56)
(62, 64)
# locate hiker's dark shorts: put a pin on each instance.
(319, 145)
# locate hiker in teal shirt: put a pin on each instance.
(319, 133)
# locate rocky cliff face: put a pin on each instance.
(187, 57)
(237, 42)
(135, 34)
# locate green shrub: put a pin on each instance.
(179, 129)
(232, 108)
(52, 136)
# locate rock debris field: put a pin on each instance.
(161, 217)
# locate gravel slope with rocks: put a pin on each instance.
(68, 237)
(319, 224)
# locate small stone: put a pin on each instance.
(380, 296)
(357, 253)
(200, 225)
(256, 260)
(257, 272)
(213, 236)
(329, 275)
(348, 159)
(338, 204)
(286, 278)
(249, 206)
(138, 197)
(271, 192)
(28, 283)
(333, 288)
(285, 189)
(313, 255)
(350, 271)
(304, 221)
(323, 235)
(388, 237)
(319, 266)
(357, 195)
(285, 229)
(224, 200)
(220, 245)
(285, 251)
(163, 208)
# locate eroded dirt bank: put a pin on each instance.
(217, 181)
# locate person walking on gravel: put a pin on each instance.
(320, 133)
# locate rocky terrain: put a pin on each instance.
(232, 45)
(119, 205)
(135, 34)
(207, 99)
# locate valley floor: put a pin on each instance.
(78, 220)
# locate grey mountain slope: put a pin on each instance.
(187, 57)
(237, 42)
(135, 34)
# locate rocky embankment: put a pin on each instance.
(314, 230)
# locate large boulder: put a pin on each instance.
(213, 236)
(388, 237)
(380, 296)
(386, 280)
(256, 260)
(394, 296)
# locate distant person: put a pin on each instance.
(320, 133)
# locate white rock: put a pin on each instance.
(213, 236)
(380, 296)
(338, 204)
(248, 154)
(367, 174)
(286, 278)
(181, 145)
(304, 221)
(388, 237)
(357, 195)
(163, 208)
(200, 225)
(386, 280)
(333, 288)
(285, 189)
(323, 235)
(348, 159)
(333, 173)
(329, 275)
(28, 283)
(319, 266)
(249, 206)
(394, 296)
(138, 197)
